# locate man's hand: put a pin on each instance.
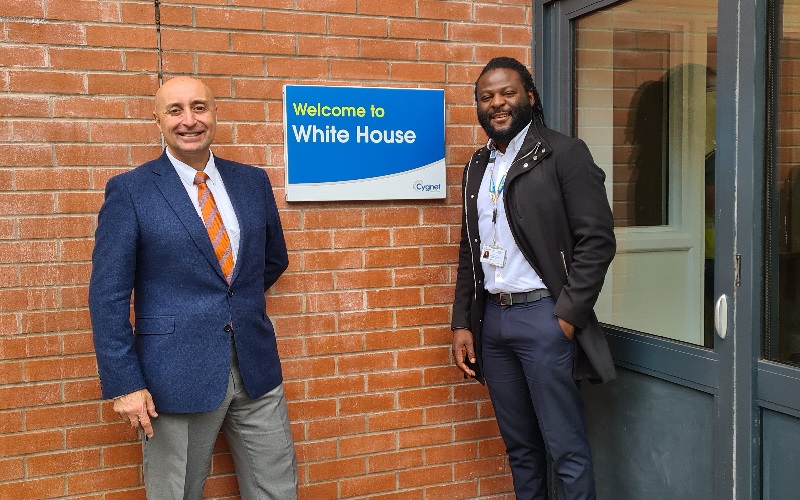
(463, 349)
(138, 408)
(567, 327)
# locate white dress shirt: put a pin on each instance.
(217, 187)
(516, 275)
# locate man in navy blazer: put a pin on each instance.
(201, 354)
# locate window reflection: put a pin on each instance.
(782, 341)
(645, 103)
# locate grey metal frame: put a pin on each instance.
(732, 371)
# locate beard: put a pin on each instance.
(521, 116)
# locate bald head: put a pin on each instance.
(186, 114)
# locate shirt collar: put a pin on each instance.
(515, 143)
(187, 173)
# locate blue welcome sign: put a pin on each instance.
(363, 143)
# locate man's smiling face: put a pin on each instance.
(504, 107)
(186, 114)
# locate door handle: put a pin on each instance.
(721, 316)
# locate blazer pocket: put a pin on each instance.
(155, 325)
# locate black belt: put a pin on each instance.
(509, 299)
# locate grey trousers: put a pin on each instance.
(177, 458)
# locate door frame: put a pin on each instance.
(734, 361)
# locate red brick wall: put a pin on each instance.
(362, 314)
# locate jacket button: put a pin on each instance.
(230, 293)
(227, 328)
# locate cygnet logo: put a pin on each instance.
(421, 186)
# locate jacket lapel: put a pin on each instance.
(173, 190)
(237, 191)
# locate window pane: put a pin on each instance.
(645, 103)
(782, 307)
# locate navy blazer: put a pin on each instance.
(150, 241)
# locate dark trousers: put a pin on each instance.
(527, 361)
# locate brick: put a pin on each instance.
(445, 453)
(30, 442)
(102, 480)
(83, 10)
(387, 49)
(13, 155)
(365, 362)
(326, 46)
(428, 475)
(338, 259)
(393, 297)
(423, 397)
(50, 131)
(116, 84)
(424, 436)
(423, 316)
(258, 43)
(296, 68)
(27, 251)
(183, 39)
(59, 463)
(393, 257)
(228, 19)
(132, 132)
(79, 203)
(418, 30)
(319, 408)
(55, 227)
(306, 324)
(10, 421)
(338, 301)
(11, 469)
(365, 320)
(445, 52)
(357, 26)
(54, 274)
(295, 22)
(361, 238)
(38, 370)
(85, 59)
(61, 416)
(454, 491)
(395, 460)
(367, 444)
(450, 11)
(308, 368)
(398, 338)
(314, 451)
(46, 33)
(397, 8)
(327, 5)
(81, 390)
(418, 72)
(397, 379)
(22, 56)
(51, 487)
(477, 468)
(349, 384)
(22, 8)
(11, 372)
(361, 70)
(78, 343)
(334, 469)
(29, 395)
(224, 64)
(374, 483)
(50, 179)
(103, 434)
(88, 107)
(365, 403)
(336, 427)
(305, 282)
(395, 420)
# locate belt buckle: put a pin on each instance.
(510, 299)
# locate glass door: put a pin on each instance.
(670, 96)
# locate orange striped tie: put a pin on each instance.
(216, 229)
